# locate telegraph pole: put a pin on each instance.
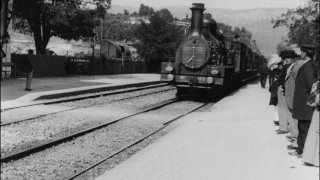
(101, 31)
(4, 7)
(5, 18)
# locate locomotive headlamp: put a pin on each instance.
(209, 80)
(214, 70)
(182, 77)
(170, 77)
(169, 67)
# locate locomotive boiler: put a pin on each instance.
(208, 60)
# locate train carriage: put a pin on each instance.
(208, 60)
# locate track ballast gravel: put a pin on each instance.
(65, 159)
(24, 135)
(105, 99)
(18, 114)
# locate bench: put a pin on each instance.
(13, 71)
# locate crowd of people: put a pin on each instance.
(294, 89)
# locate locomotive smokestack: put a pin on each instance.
(197, 18)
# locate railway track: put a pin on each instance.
(49, 144)
(85, 96)
(90, 96)
(166, 124)
(71, 142)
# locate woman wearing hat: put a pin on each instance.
(306, 76)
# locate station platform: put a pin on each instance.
(234, 140)
(13, 93)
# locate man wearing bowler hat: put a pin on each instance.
(283, 111)
(306, 76)
(289, 84)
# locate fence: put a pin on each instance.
(54, 66)
(107, 66)
(43, 65)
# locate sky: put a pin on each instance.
(224, 4)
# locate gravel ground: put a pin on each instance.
(17, 137)
(104, 99)
(63, 160)
(135, 104)
(34, 111)
(121, 157)
(30, 112)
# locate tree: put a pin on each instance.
(255, 47)
(5, 18)
(186, 19)
(249, 35)
(303, 23)
(115, 28)
(208, 15)
(67, 19)
(145, 10)
(126, 12)
(165, 14)
(237, 30)
(225, 28)
(158, 40)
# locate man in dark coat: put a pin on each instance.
(283, 111)
(2, 55)
(274, 72)
(24, 65)
(306, 76)
(263, 73)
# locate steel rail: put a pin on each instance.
(38, 148)
(81, 97)
(134, 143)
(141, 139)
(43, 115)
(55, 142)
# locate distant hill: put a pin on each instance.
(258, 21)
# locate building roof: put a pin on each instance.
(137, 20)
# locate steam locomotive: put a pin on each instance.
(207, 59)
